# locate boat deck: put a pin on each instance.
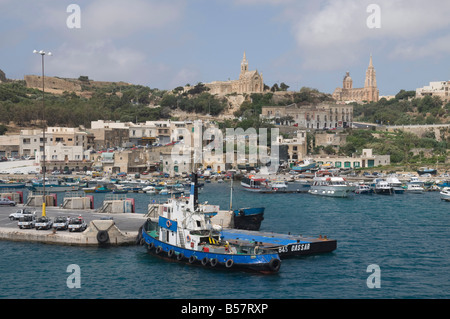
(285, 245)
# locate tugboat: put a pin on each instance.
(184, 233)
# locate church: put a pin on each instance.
(249, 82)
(369, 93)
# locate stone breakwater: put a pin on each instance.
(99, 232)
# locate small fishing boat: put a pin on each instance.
(278, 186)
(149, 189)
(445, 194)
(184, 233)
(426, 170)
(304, 165)
(253, 184)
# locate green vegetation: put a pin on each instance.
(398, 144)
(23, 105)
(404, 109)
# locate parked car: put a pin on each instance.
(61, 223)
(43, 223)
(77, 224)
(27, 221)
(7, 201)
(18, 173)
(33, 172)
(21, 213)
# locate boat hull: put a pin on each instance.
(12, 185)
(248, 218)
(265, 263)
(383, 191)
(331, 191)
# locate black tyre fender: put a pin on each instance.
(205, 261)
(102, 236)
(213, 262)
(275, 264)
(192, 259)
(180, 256)
(151, 245)
(170, 253)
(158, 250)
(229, 263)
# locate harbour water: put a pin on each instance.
(405, 235)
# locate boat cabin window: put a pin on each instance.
(199, 224)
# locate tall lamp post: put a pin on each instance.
(43, 53)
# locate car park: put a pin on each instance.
(43, 222)
(61, 223)
(21, 213)
(77, 224)
(7, 202)
(27, 221)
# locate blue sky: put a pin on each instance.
(164, 44)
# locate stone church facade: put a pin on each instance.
(369, 93)
(249, 82)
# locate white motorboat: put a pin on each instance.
(332, 186)
(396, 184)
(278, 186)
(149, 190)
(415, 188)
(382, 187)
(445, 194)
(363, 189)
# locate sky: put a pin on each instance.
(165, 44)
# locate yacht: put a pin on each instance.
(332, 186)
(415, 188)
(396, 184)
(380, 186)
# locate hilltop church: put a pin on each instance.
(369, 93)
(249, 82)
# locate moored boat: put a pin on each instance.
(304, 165)
(363, 189)
(331, 186)
(381, 187)
(185, 234)
(255, 184)
(426, 170)
(414, 188)
(445, 194)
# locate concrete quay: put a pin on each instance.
(121, 229)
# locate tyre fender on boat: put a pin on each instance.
(229, 263)
(213, 262)
(205, 261)
(171, 253)
(192, 259)
(151, 245)
(158, 250)
(180, 256)
(274, 264)
(102, 236)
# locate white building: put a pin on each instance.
(440, 89)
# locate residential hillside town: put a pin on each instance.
(310, 125)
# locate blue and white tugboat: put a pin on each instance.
(184, 233)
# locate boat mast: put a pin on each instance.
(231, 193)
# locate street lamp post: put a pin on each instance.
(43, 53)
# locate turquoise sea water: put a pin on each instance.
(407, 236)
